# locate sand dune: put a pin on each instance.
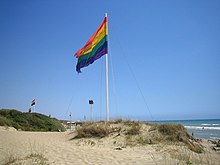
(57, 148)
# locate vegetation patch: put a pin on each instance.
(89, 130)
(33, 158)
(36, 158)
(29, 121)
(159, 133)
(117, 121)
(178, 133)
(134, 133)
(134, 129)
(173, 132)
(10, 160)
(130, 122)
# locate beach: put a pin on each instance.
(59, 148)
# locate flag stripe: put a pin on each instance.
(98, 54)
(94, 51)
(96, 37)
(90, 59)
(100, 35)
(95, 47)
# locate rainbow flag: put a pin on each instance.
(33, 102)
(95, 47)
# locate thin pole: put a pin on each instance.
(70, 122)
(91, 116)
(106, 69)
(107, 101)
(34, 108)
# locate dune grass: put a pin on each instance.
(137, 133)
(134, 129)
(178, 133)
(33, 158)
(88, 130)
(173, 132)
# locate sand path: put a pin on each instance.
(58, 149)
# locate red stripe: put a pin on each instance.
(89, 42)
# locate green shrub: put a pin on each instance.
(4, 121)
(29, 121)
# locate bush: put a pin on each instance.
(130, 122)
(29, 121)
(117, 121)
(134, 130)
(92, 130)
(173, 132)
(4, 121)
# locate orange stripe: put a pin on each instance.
(88, 45)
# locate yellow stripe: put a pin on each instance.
(103, 31)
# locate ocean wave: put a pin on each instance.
(210, 124)
(201, 128)
(215, 138)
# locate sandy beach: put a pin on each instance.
(19, 147)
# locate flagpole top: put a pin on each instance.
(106, 15)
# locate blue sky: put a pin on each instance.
(163, 54)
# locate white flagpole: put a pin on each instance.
(106, 69)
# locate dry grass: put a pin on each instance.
(89, 130)
(133, 133)
(37, 159)
(160, 134)
(177, 133)
(136, 133)
(117, 121)
(188, 158)
(130, 122)
(134, 129)
(33, 158)
(195, 147)
(173, 132)
(10, 160)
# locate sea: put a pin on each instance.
(206, 128)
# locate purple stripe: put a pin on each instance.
(102, 51)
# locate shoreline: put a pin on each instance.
(201, 128)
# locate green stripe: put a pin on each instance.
(92, 53)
